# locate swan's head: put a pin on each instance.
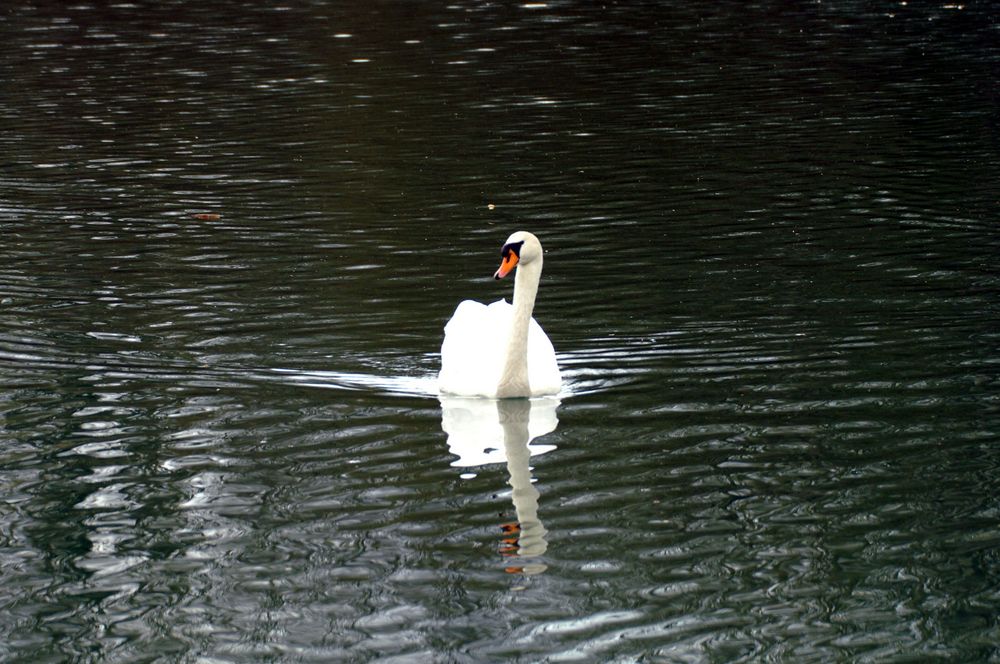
(520, 248)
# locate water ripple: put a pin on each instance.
(229, 247)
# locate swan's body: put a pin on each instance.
(499, 350)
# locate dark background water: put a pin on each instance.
(771, 277)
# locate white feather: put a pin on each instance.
(472, 354)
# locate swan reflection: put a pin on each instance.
(484, 431)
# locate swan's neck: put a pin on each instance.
(514, 378)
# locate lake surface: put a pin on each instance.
(230, 238)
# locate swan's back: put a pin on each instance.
(472, 354)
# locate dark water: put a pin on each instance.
(772, 278)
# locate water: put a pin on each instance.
(230, 240)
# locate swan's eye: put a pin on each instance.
(513, 247)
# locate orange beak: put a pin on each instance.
(506, 266)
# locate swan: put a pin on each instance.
(499, 351)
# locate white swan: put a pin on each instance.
(499, 351)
